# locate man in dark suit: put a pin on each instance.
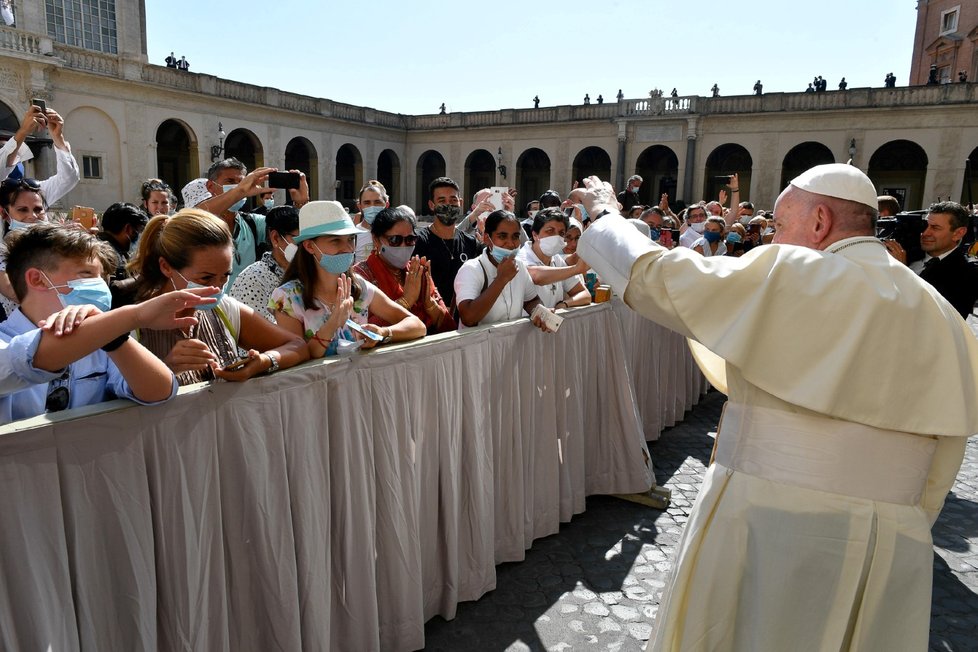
(945, 265)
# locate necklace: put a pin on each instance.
(450, 250)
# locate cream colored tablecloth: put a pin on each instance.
(335, 506)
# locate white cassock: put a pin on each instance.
(852, 388)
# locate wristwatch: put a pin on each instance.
(388, 337)
(274, 357)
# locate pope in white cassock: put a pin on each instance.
(842, 433)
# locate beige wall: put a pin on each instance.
(115, 114)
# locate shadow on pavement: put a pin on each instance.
(584, 557)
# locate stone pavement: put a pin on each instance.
(597, 583)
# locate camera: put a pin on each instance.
(905, 228)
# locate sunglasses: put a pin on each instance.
(58, 394)
(25, 183)
(399, 240)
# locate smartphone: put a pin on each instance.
(370, 335)
(83, 215)
(37, 102)
(723, 177)
(287, 180)
(496, 196)
(237, 364)
(665, 238)
(754, 229)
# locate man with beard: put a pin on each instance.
(445, 247)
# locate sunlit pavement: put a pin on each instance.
(596, 584)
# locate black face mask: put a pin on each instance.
(448, 214)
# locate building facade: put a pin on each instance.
(129, 120)
(946, 37)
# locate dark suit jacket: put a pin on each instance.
(956, 278)
(627, 200)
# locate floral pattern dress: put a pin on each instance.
(288, 299)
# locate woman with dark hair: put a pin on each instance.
(562, 287)
(324, 301)
(496, 287)
(21, 205)
(193, 249)
(399, 274)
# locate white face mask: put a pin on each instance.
(289, 251)
(552, 245)
(699, 227)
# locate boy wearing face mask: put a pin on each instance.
(52, 267)
(257, 281)
(495, 287)
(558, 285)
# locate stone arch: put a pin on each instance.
(480, 172)
(431, 165)
(93, 133)
(802, 157)
(389, 174)
(589, 161)
(349, 175)
(177, 158)
(300, 154)
(245, 146)
(899, 168)
(729, 158)
(532, 174)
(658, 166)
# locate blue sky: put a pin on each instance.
(409, 57)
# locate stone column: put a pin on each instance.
(690, 167)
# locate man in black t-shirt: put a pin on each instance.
(445, 247)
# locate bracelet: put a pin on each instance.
(557, 305)
(388, 337)
(403, 303)
(735, 190)
(116, 343)
(325, 345)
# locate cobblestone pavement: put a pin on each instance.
(597, 583)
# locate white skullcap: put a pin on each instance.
(840, 181)
(195, 192)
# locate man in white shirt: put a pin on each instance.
(495, 287)
(14, 151)
(694, 226)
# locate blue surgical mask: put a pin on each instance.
(90, 291)
(269, 203)
(335, 263)
(734, 238)
(191, 285)
(236, 206)
(655, 233)
(500, 254)
(584, 216)
(18, 226)
(370, 213)
(712, 236)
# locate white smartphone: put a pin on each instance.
(496, 196)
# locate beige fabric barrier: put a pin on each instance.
(335, 506)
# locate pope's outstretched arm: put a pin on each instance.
(611, 247)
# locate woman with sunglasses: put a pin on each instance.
(21, 205)
(402, 276)
(324, 301)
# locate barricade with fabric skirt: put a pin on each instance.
(338, 505)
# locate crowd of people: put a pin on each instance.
(255, 287)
